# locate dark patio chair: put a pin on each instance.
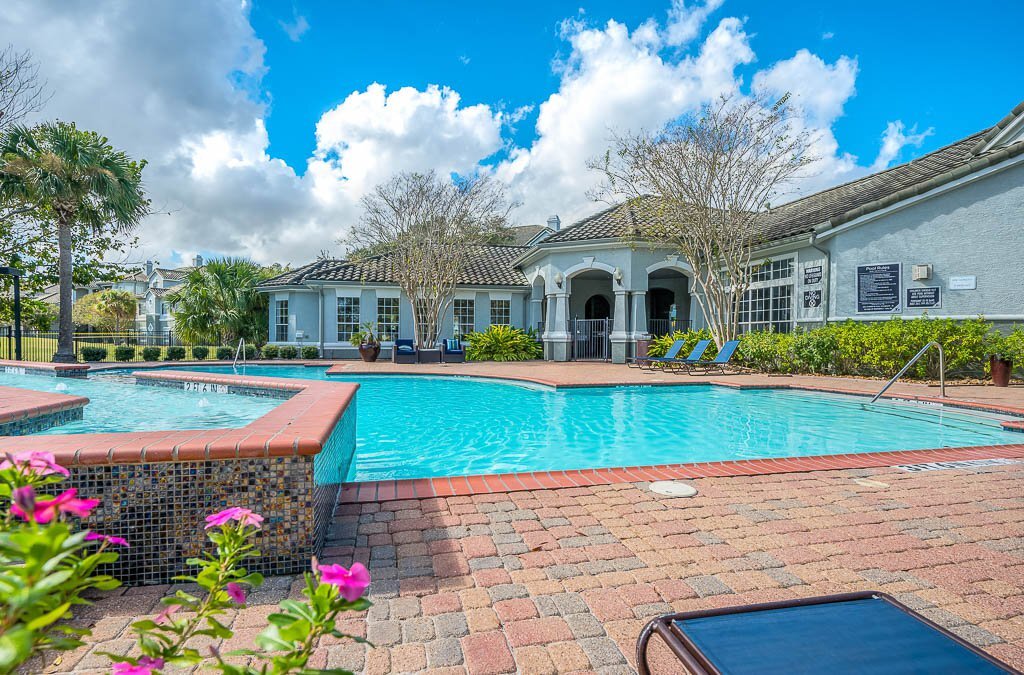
(866, 633)
(452, 351)
(719, 365)
(404, 351)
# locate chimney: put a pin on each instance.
(149, 267)
(197, 261)
(555, 223)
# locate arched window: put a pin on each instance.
(597, 307)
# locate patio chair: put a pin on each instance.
(867, 633)
(452, 351)
(404, 351)
(718, 365)
(650, 361)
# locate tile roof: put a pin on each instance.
(524, 235)
(489, 266)
(175, 274)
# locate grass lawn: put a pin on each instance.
(43, 348)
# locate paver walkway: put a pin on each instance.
(562, 580)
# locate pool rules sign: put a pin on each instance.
(879, 288)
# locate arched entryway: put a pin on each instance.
(597, 307)
(668, 301)
(590, 304)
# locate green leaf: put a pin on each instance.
(45, 620)
(15, 648)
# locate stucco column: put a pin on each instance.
(638, 322)
(556, 337)
(620, 322)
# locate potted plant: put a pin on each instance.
(368, 342)
(1000, 359)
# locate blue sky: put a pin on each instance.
(263, 122)
(941, 65)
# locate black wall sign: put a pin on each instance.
(812, 299)
(924, 297)
(812, 275)
(878, 288)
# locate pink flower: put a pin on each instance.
(23, 502)
(166, 614)
(352, 583)
(244, 516)
(45, 510)
(146, 666)
(236, 593)
(40, 463)
(106, 538)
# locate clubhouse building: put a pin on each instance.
(939, 236)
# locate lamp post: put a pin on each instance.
(15, 273)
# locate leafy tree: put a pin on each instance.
(430, 228)
(118, 306)
(219, 303)
(77, 179)
(35, 314)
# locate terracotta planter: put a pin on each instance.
(369, 352)
(1000, 369)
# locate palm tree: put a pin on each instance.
(219, 303)
(79, 180)
(119, 306)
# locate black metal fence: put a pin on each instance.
(126, 346)
(659, 327)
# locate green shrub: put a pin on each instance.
(175, 353)
(288, 352)
(310, 352)
(660, 345)
(94, 353)
(124, 353)
(150, 353)
(252, 352)
(225, 353)
(503, 343)
(270, 351)
(200, 353)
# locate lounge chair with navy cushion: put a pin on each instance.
(452, 351)
(718, 365)
(404, 351)
(865, 633)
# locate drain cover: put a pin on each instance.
(673, 488)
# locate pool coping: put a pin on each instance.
(300, 425)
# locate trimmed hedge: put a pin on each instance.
(175, 353)
(270, 351)
(876, 349)
(225, 353)
(200, 353)
(93, 353)
(151, 353)
(288, 352)
(310, 352)
(124, 353)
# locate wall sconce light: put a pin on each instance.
(559, 279)
(618, 275)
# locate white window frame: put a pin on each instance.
(458, 323)
(775, 289)
(507, 302)
(349, 326)
(392, 333)
(278, 325)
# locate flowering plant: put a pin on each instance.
(286, 645)
(45, 562)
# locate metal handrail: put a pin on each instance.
(942, 370)
(240, 349)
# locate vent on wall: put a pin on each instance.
(921, 272)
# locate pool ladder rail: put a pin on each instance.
(942, 370)
(239, 350)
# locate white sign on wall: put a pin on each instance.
(964, 283)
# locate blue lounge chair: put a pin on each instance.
(719, 364)
(452, 351)
(641, 361)
(404, 351)
(867, 633)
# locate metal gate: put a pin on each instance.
(590, 339)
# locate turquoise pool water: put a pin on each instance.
(116, 404)
(417, 426)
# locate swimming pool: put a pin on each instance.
(422, 426)
(117, 404)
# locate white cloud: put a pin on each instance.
(827, 35)
(464, 60)
(894, 139)
(295, 28)
(184, 91)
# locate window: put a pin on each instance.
(387, 318)
(768, 303)
(465, 317)
(501, 312)
(281, 322)
(348, 318)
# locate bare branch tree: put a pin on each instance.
(712, 174)
(427, 229)
(21, 91)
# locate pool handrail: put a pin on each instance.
(942, 370)
(240, 349)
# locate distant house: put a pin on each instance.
(937, 236)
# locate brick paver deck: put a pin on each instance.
(562, 580)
